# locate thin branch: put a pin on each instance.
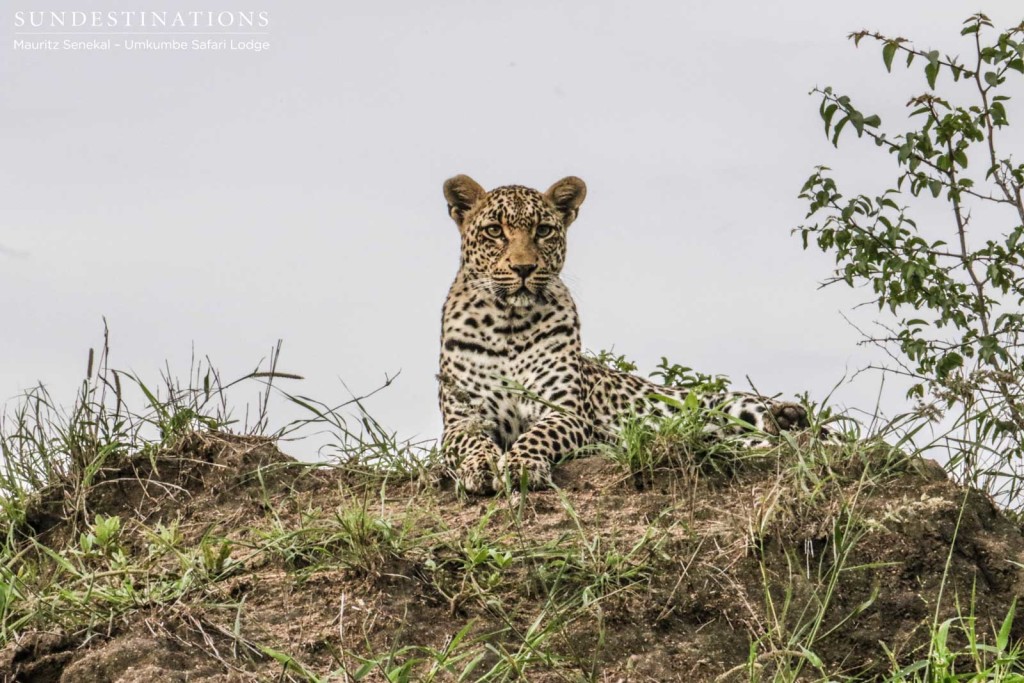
(901, 44)
(986, 117)
(885, 142)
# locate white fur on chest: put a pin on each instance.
(501, 357)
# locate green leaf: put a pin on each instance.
(827, 115)
(931, 72)
(814, 659)
(888, 52)
(858, 122)
(935, 186)
(838, 129)
(364, 670)
(948, 363)
(1003, 639)
(911, 668)
(991, 78)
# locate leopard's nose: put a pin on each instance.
(524, 269)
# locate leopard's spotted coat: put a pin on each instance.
(516, 391)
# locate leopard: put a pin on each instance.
(516, 390)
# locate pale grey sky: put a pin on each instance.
(225, 200)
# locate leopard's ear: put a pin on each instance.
(567, 195)
(462, 192)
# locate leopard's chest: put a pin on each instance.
(514, 353)
(512, 364)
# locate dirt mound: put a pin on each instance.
(222, 559)
(153, 486)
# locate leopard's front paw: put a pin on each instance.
(513, 469)
(476, 475)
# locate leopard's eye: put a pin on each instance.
(494, 231)
(543, 230)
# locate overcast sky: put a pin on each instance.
(224, 200)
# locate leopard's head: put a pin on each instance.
(513, 237)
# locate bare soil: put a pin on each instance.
(697, 567)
